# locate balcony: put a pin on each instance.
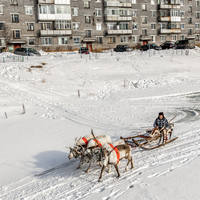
(117, 18)
(145, 37)
(110, 32)
(117, 4)
(55, 32)
(54, 16)
(165, 19)
(169, 6)
(168, 31)
(46, 1)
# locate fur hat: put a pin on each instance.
(161, 113)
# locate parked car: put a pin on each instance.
(83, 50)
(122, 48)
(152, 46)
(26, 51)
(167, 45)
(185, 44)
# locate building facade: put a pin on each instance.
(59, 25)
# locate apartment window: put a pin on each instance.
(88, 33)
(123, 26)
(135, 26)
(112, 11)
(63, 41)
(14, 2)
(163, 38)
(153, 26)
(2, 42)
(98, 26)
(111, 40)
(15, 18)
(182, 14)
(175, 13)
(144, 7)
(63, 9)
(1, 9)
(182, 2)
(133, 1)
(51, 9)
(144, 20)
(174, 25)
(197, 3)
(197, 14)
(30, 26)
(76, 40)
(174, 37)
(16, 34)
(197, 37)
(153, 38)
(144, 31)
(1, 26)
(182, 26)
(100, 40)
(182, 37)
(87, 19)
(75, 11)
(135, 13)
(190, 20)
(75, 26)
(124, 39)
(123, 12)
(43, 9)
(31, 42)
(189, 31)
(135, 40)
(86, 4)
(46, 41)
(197, 26)
(153, 2)
(45, 26)
(98, 12)
(163, 26)
(112, 26)
(29, 10)
(189, 8)
(63, 25)
(153, 13)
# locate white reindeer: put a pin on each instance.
(113, 157)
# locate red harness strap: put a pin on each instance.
(116, 151)
(97, 141)
(85, 140)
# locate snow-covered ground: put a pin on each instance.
(120, 95)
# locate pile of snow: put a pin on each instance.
(6, 54)
(43, 53)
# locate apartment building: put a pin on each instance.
(56, 25)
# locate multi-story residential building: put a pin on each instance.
(56, 25)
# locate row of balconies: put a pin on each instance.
(55, 32)
(117, 4)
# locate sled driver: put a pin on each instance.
(161, 125)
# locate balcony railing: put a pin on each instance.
(118, 18)
(119, 31)
(45, 1)
(55, 32)
(169, 6)
(117, 4)
(165, 19)
(177, 30)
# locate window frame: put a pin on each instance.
(61, 39)
(49, 39)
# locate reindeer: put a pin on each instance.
(113, 157)
(94, 155)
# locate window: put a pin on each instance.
(182, 14)
(98, 12)
(46, 41)
(182, 37)
(144, 31)
(75, 11)
(76, 40)
(1, 9)
(153, 26)
(197, 14)
(163, 38)
(98, 26)
(75, 26)
(153, 2)
(46, 26)
(182, 26)
(112, 11)
(87, 19)
(189, 8)
(124, 39)
(111, 40)
(29, 10)
(88, 33)
(189, 31)
(1, 26)
(197, 37)
(197, 26)
(63, 41)
(153, 13)
(135, 40)
(30, 26)
(123, 26)
(190, 20)
(100, 40)
(135, 13)
(2, 42)
(144, 7)
(16, 34)
(135, 26)
(182, 2)
(174, 37)
(14, 2)
(31, 42)
(163, 26)
(63, 9)
(43, 9)
(124, 12)
(133, 1)
(174, 25)
(63, 25)
(15, 18)
(175, 13)
(197, 3)
(144, 20)
(153, 38)
(86, 4)
(112, 26)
